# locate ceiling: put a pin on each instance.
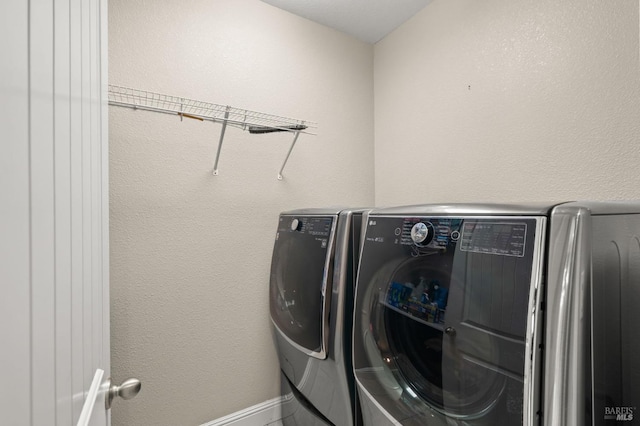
(367, 20)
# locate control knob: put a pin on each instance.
(422, 233)
(296, 225)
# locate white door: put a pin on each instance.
(54, 252)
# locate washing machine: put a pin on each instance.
(499, 315)
(311, 304)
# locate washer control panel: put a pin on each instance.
(429, 232)
(506, 236)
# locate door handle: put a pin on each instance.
(127, 390)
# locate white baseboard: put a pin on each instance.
(265, 413)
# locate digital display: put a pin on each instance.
(500, 238)
(318, 226)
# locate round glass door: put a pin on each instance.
(420, 347)
(299, 271)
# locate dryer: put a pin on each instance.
(499, 315)
(311, 304)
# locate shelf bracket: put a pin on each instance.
(295, 138)
(224, 129)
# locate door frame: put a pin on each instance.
(55, 207)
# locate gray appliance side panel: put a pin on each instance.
(533, 352)
(338, 291)
(567, 345)
(355, 335)
(339, 408)
(615, 305)
(597, 208)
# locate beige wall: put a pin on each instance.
(503, 100)
(498, 100)
(190, 252)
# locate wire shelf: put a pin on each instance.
(252, 121)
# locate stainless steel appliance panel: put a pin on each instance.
(615, 319)
(311, 302)
(442, 309)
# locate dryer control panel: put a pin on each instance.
(312, 225)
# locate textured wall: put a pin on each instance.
(504, 100)
(190, 252)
